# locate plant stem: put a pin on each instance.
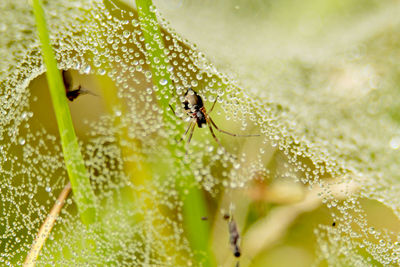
(78, 175)
(46, 227)
(194, 203)
(154, 50)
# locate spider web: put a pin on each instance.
(328, 125)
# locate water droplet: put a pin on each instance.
(152, 8)
(395, 142)
(87, 69)
(163, 81)
(102, 71)
(148, 74)
(126, 34)
(24, 115)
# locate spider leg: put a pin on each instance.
(183, 136)
(232, 134)
(173, 111)
(212, 131)
(190, 135)
(211, 109)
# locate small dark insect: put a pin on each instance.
(233, 235)
(72, 94)
(204, 218)
(194, 107)
(334, 224)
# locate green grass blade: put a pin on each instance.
(194, 203)
(78, 175)
(154, 48)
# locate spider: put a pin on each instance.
(72, 94)
(194, 107)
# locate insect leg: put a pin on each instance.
(85, 91)
(67, 79)
(232, 134)
(212, 131)
(211, 109)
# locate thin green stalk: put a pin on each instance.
(154, 48)
(194, 203)
(78, 175)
